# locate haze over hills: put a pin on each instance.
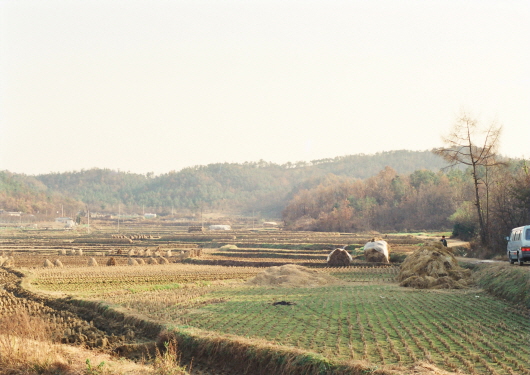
(230, 188)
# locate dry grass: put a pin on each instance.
(433, 267)
(26, 348)
(291, 275)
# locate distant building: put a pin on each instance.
(62, 219)
(67, 221)
(270, 224)
(149, 216)
(219, 227)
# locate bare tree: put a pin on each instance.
(471, 145)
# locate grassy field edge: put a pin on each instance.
(505, 281)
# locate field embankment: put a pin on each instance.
(505, 281)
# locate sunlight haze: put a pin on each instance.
(146, 86)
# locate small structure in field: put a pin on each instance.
(433, 267)
(92, 262)
(376, 251)
(195, 228)
(9, 262)
(132, 262)
(47, 263)
(339, 258)
(111, 261)
(219, 227)
(58, 263)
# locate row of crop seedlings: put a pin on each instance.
(386, 329)
(449, 334)
(164, 304)
(268, 255)
(364, 273)
(67, 282)
(493, 341)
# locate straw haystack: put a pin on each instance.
(140, 261)
(47, 263)
(62, 252)
(80, 252)
(92, 262)
(339, 258)
(131, 253)
(169, 254)
(111, 261)
(9, 262)
(132, 262)
(162, 260)
(152, 261)
(433, 267)
(376, 251)
(148, 253)
(291, 275)
(58, 263)
(3, 258)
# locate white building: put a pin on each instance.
(219, 227)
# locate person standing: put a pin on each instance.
(443, 241)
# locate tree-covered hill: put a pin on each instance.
(228, 187)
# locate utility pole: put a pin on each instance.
(88, 217)
(119, 213)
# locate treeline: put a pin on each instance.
(422, 200)
(387, 201)
(233, 188)
(27, 194)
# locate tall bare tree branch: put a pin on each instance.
(469, 144)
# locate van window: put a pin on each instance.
(527, 235)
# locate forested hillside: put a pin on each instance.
(227, 187)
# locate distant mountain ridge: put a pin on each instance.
(236, 188)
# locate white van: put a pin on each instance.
(519, 245)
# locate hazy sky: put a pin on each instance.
(154, 86)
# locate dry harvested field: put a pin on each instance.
(358, 321)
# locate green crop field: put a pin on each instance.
(368, 318)
(365, 317)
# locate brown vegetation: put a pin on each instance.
(339, 258)
(291, 275)
(433, 267)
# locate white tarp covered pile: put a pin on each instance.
(376, 251)
(219, 227)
